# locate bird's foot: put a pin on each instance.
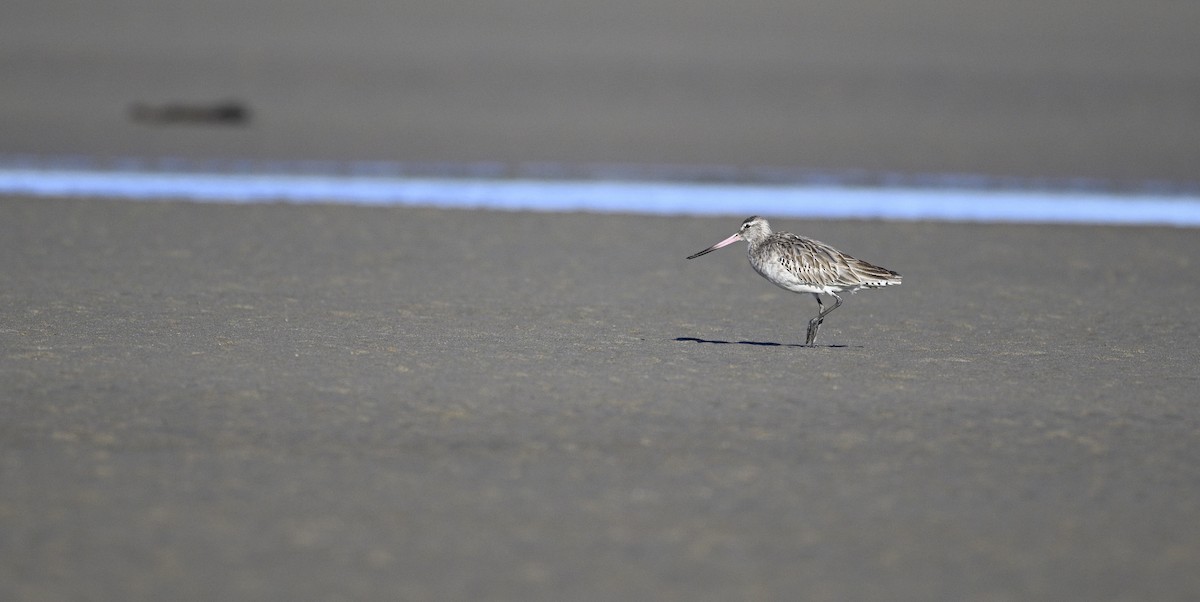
(812, 333)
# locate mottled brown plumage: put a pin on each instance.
(804, 265)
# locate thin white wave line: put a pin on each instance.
(696, 198)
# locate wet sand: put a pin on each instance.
(274, 402)
(281, 402)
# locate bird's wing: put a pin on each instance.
(821, 264)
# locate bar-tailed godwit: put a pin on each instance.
(804, 265)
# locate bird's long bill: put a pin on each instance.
(723, 243)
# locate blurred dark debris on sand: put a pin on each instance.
(223, 113)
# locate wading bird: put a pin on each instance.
(804, 265)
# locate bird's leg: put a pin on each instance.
(816, 322)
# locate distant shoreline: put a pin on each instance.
(951, 198)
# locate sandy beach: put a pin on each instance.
(281, 402)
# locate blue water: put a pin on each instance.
(947, 199)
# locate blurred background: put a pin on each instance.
(1102, 89)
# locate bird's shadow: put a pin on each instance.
(754, 343)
